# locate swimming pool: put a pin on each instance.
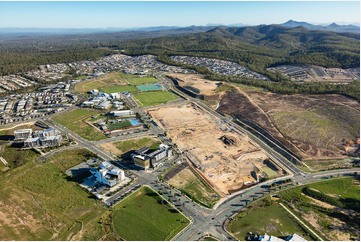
(134, 122)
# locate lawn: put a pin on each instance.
(154, 98)
(112, 89)
(119, 125)
(187, 182)
(261, 219)
(38, 202)
(144, 215)
(76, 121)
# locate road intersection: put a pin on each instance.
(204, 221)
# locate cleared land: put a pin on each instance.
(225, 158)
(144, 215)
(187, 182)
(78, 122)
(314, 127)
(110, 79)
(154, 98)
(121, 147)
(332, 207)
(38, 202)
(265, 218)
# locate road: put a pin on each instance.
(204, 220)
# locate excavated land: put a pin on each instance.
(227, 160)
(311, 126)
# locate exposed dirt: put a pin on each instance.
(227, 165)
(205, 86)
(111, 148)
(311, 126)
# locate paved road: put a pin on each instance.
(204, 221)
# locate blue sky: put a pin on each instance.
(142, 14)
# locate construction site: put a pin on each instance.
(225, 158)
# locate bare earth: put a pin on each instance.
(226, 163)
(206, 87)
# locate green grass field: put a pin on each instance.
(112, 89)
(187, 182)
(262, 219)
(144, 215)
(344, 190)
(119, 125)
(51, 207)
(154, 98)
(136, 81)
(16, 157)
(76, 121)
(134, 144)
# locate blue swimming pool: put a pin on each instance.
(134, 122)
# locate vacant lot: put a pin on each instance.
(311, 126)
(225, 158)
(112, 89)
(333, 210)
(135, 80)
(16, 156)
(261, 219)
(121, 147)
(187, 182)
(77, 121)
(154, 98)
(110, 79)
(37, 202)
(146, 216)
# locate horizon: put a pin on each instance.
(131, 15)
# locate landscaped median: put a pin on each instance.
(145, 215)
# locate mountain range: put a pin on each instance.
(332, 27)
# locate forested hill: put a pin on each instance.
(260, 46)
(257, 47)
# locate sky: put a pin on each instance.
(145, 14)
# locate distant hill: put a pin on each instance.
(332, 27)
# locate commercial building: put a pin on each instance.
(121, 113)
(22, 134)
(146, 158)
(107, 174)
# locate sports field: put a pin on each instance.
(154, 98)
(38, 202)
(144, 215)
(136, 81)
(150, 87)
(77, 121)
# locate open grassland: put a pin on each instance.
(112, 89)
(77, 122)
(16, 156)
(144, 215)
(38, 202)
(331, 207)
(329, 164)
(114, 82)
(121, 147)
(154, 98)
(136, 81)
(264, 218)
(187, 182)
